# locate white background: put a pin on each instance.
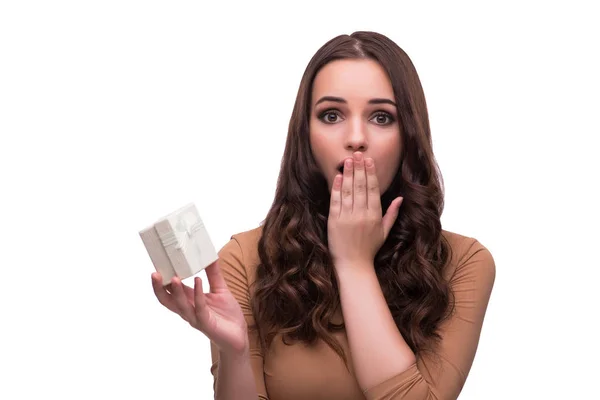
(113, 113)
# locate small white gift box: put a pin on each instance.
(178, 244)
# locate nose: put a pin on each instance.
(356, 137)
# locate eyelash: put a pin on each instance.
(377, 114)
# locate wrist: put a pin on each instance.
(354, 266)
(236, 355)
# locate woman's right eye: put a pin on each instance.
(329, 116)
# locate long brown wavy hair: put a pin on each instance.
(296, 291)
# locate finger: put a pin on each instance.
(347, 187)
(373, 194)
(215, 278)
(335, 204)
(200, 308)
(189, 293)
(164, 297)
(184, 306)
(360, 184)
(390, 216)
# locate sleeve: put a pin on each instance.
(231, 263)
(440, 374)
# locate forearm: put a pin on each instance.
(379, 351)
(235, 379)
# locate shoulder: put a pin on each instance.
(248, 240)
(238, 258)
(470, 260)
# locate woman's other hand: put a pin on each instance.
(217, 314)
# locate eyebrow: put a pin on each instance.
(341, 100)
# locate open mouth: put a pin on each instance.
(340, 167)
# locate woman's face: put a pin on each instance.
(353, 109)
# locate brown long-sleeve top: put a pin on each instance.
(302, 372)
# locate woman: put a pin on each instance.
(350, 288)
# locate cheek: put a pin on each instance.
(320, 150)
(316, 149)
(385, 179)
(388, 166)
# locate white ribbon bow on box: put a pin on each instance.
(186, 227)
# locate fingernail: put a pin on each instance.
(369, 162)
(348, 163)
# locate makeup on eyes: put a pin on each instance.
(321, 115)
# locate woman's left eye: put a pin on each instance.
(381, 118)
